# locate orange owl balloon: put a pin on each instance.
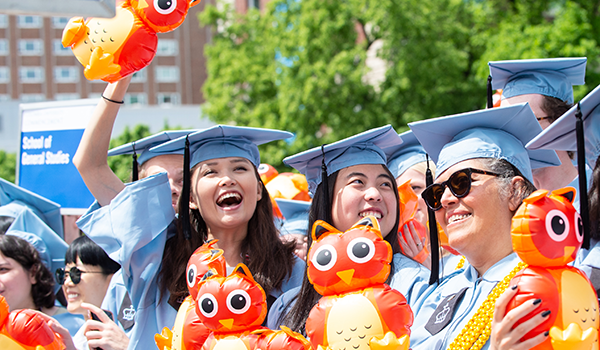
(112, 48)
(357, 310)
(267, 172)
(188, 331)
(546, 233)
(287, 186)
(409, 202)
(26, 330)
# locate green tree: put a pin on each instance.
(8, 166)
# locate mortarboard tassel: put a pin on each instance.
(184, 208)
(325, 187)
(433, 234)
(134, 167)
(583, 198)
(490, 93)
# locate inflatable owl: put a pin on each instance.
(357, 310)
(546, 234)
(26, 330)
(188, 331)
(233, 309)
(287, 186)
(112, 48)
(267, 172)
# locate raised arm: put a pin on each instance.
(91, 156)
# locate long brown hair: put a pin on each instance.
(268, 258)
(308, 296)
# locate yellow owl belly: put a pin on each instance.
(352, 321)
(230, 343)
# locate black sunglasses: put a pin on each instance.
(459, 184)
(74, 273)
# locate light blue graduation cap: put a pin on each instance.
(552, 77)
(140, 149)
(32, 209)
(219, 141)
(561, 135)
(408, 154)
(492, 133)
(370, 147)
(295, 214)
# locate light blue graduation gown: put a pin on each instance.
(409, 277)
(132, 229)
(477, 290)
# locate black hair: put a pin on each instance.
(18, 249)
(5, 222)
(90, 254)
(307, 296)
(594, 202)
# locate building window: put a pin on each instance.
(167, 47)
(168, 98)
(139, 76)
(64, 97)
(32, 97)
(4, 47)
(66, 74)
(30, 47)
(59, 22)
(253, 4)
(3, 21)
(4, 75)
(136, 99)
(59, 50)
(167, 74)
(29, 21)
(31, 74)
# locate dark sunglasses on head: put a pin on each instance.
(458, 183)
(74, 273)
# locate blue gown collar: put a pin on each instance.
(495, 273)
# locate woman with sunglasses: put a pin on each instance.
(85, 279)
(484, 173)
(356, 183)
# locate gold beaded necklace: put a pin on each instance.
(461, 263)
(477, 331)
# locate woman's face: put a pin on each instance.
(417, 182)
(225, 191)
(15, 284)
(172, 164)
(362, 190)
(470, 221)
(91, 289)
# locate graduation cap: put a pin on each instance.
(576, 130)
(500, 133)
(552, 77)
(16, 201)
(408, 154)
(140, 149)
(51, 247)
(219, 141)
(295, 214)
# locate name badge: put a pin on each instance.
(126, 313)
(444, 312)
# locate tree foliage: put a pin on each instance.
(8, 166)
(300, 65)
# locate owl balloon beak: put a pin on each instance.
(227, 323)
(346, 275)
(569, 252)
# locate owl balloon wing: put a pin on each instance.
(547, 233)
(357, 310)
(112, 48)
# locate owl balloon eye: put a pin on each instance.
(557, 225)
(165, 7)
(208, 305)
(238, 301)
(360, 250)
(325, 257)
(578, 227)
(192, 271)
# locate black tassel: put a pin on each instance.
(433, 234)
(184, 198)
(325, 187)
(583, 198)
(490, 94)
(134, 167)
